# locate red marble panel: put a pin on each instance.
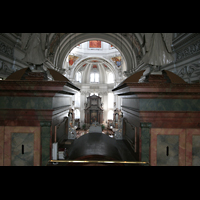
(166, 131)
(189, 134)
(1, 144)
(20, 129)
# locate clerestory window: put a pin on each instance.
(94, 77)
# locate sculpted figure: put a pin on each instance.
(34, 44)
(158, 48)
(158, 52)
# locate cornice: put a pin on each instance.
(182, 40)
(155, 89)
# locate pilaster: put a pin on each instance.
(145, 141)
(45, 141)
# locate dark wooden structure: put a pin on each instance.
(32, 109)
(93, 110)
(161, 119)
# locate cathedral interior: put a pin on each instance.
(99, 99)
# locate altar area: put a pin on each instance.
(93, 110)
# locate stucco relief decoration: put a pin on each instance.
(188, 51)
(54, 42)
(6, 49)
(189, 70)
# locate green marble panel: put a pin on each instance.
(169, 104)
(45, 141)
(196, 150)
(145, 141)
(25, 102)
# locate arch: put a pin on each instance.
(83, 61)
(121, 43)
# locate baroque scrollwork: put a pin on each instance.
(6, 49)
(188, 70)
(5, 68)
(190, 50)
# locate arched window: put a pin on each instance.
(110, 100)
(110, 114)
(94, 77)
(77, 99)
(78, 77)
(110, 77)
(77, 114)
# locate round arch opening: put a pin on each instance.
(73, 39)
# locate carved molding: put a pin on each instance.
(189, 70)
(4, 48)
(188, 51)
(6, 68)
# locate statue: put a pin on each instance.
(158, 50)
(35, 45)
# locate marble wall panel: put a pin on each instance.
(1, 144)
(145, 141)
(165, 131)
(19, 157)
(192, 152)
(169, 104)
(196, 150)
(170, 157)
(8, 142)
(25, 102)
(45, 142)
